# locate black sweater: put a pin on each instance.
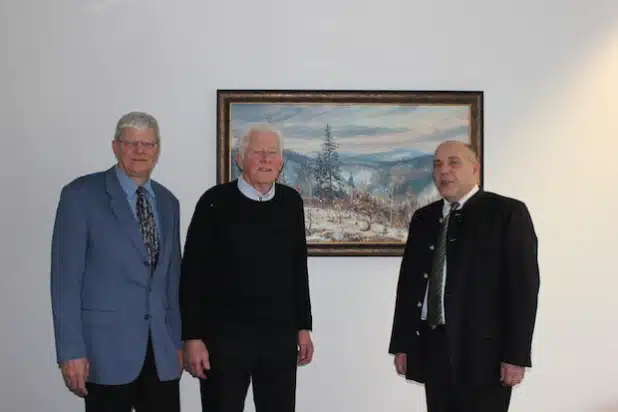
(244, 267)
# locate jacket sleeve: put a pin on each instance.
(68, 260)
(401, 329)
(522, 281)
(304, 318)
(199, 244)
(173, 311)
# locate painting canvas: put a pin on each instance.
(361, 160)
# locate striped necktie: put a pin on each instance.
(435, 298)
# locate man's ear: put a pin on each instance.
(115, 148)
(477, 168)
(280, 170)
(238, 162)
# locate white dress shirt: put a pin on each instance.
(249, 191)
(445, 209)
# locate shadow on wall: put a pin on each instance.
(613, 407)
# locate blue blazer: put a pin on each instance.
(104, 300)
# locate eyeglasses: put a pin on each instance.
(133, 144)
(264, 153)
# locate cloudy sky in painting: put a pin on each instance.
(357, 128)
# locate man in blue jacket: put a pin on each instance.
(115, 267)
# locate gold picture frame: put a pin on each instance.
(362, 160)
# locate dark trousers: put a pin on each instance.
(146, 393)
(267, 362)
(446, 394)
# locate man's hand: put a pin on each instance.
(181, 360)
(75, 372)
(196, 358)
(401, 360)
(511, 375)
(305, 348)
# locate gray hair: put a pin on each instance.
(137, 120)
(256, 129)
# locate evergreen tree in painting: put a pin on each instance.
(329, 182)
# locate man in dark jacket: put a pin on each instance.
(467, 292)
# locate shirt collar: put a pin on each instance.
(249, 191)
(446, 203)
(129, 187)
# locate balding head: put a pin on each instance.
(456, 169)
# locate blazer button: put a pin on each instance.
(146, 317)
(418, 333)
(419, 304)
(430, 247)
(425, 275)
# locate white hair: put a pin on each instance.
(137, 120)
(245, 139)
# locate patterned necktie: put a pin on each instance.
(435, 304)
(147, 226)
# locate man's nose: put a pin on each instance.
(442, 169)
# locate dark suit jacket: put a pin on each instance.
(492, 283)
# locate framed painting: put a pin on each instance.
(361, 160)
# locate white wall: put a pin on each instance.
(550, 73)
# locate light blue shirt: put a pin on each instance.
(129, 187)
(249, 191)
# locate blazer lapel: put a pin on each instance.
(166, 213)
(435, 221)
(464, 222)
(122, 212)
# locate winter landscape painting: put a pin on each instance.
(362, 161)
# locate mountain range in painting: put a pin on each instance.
(361, 169)
(394, 184)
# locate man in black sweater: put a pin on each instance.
(245, 305)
